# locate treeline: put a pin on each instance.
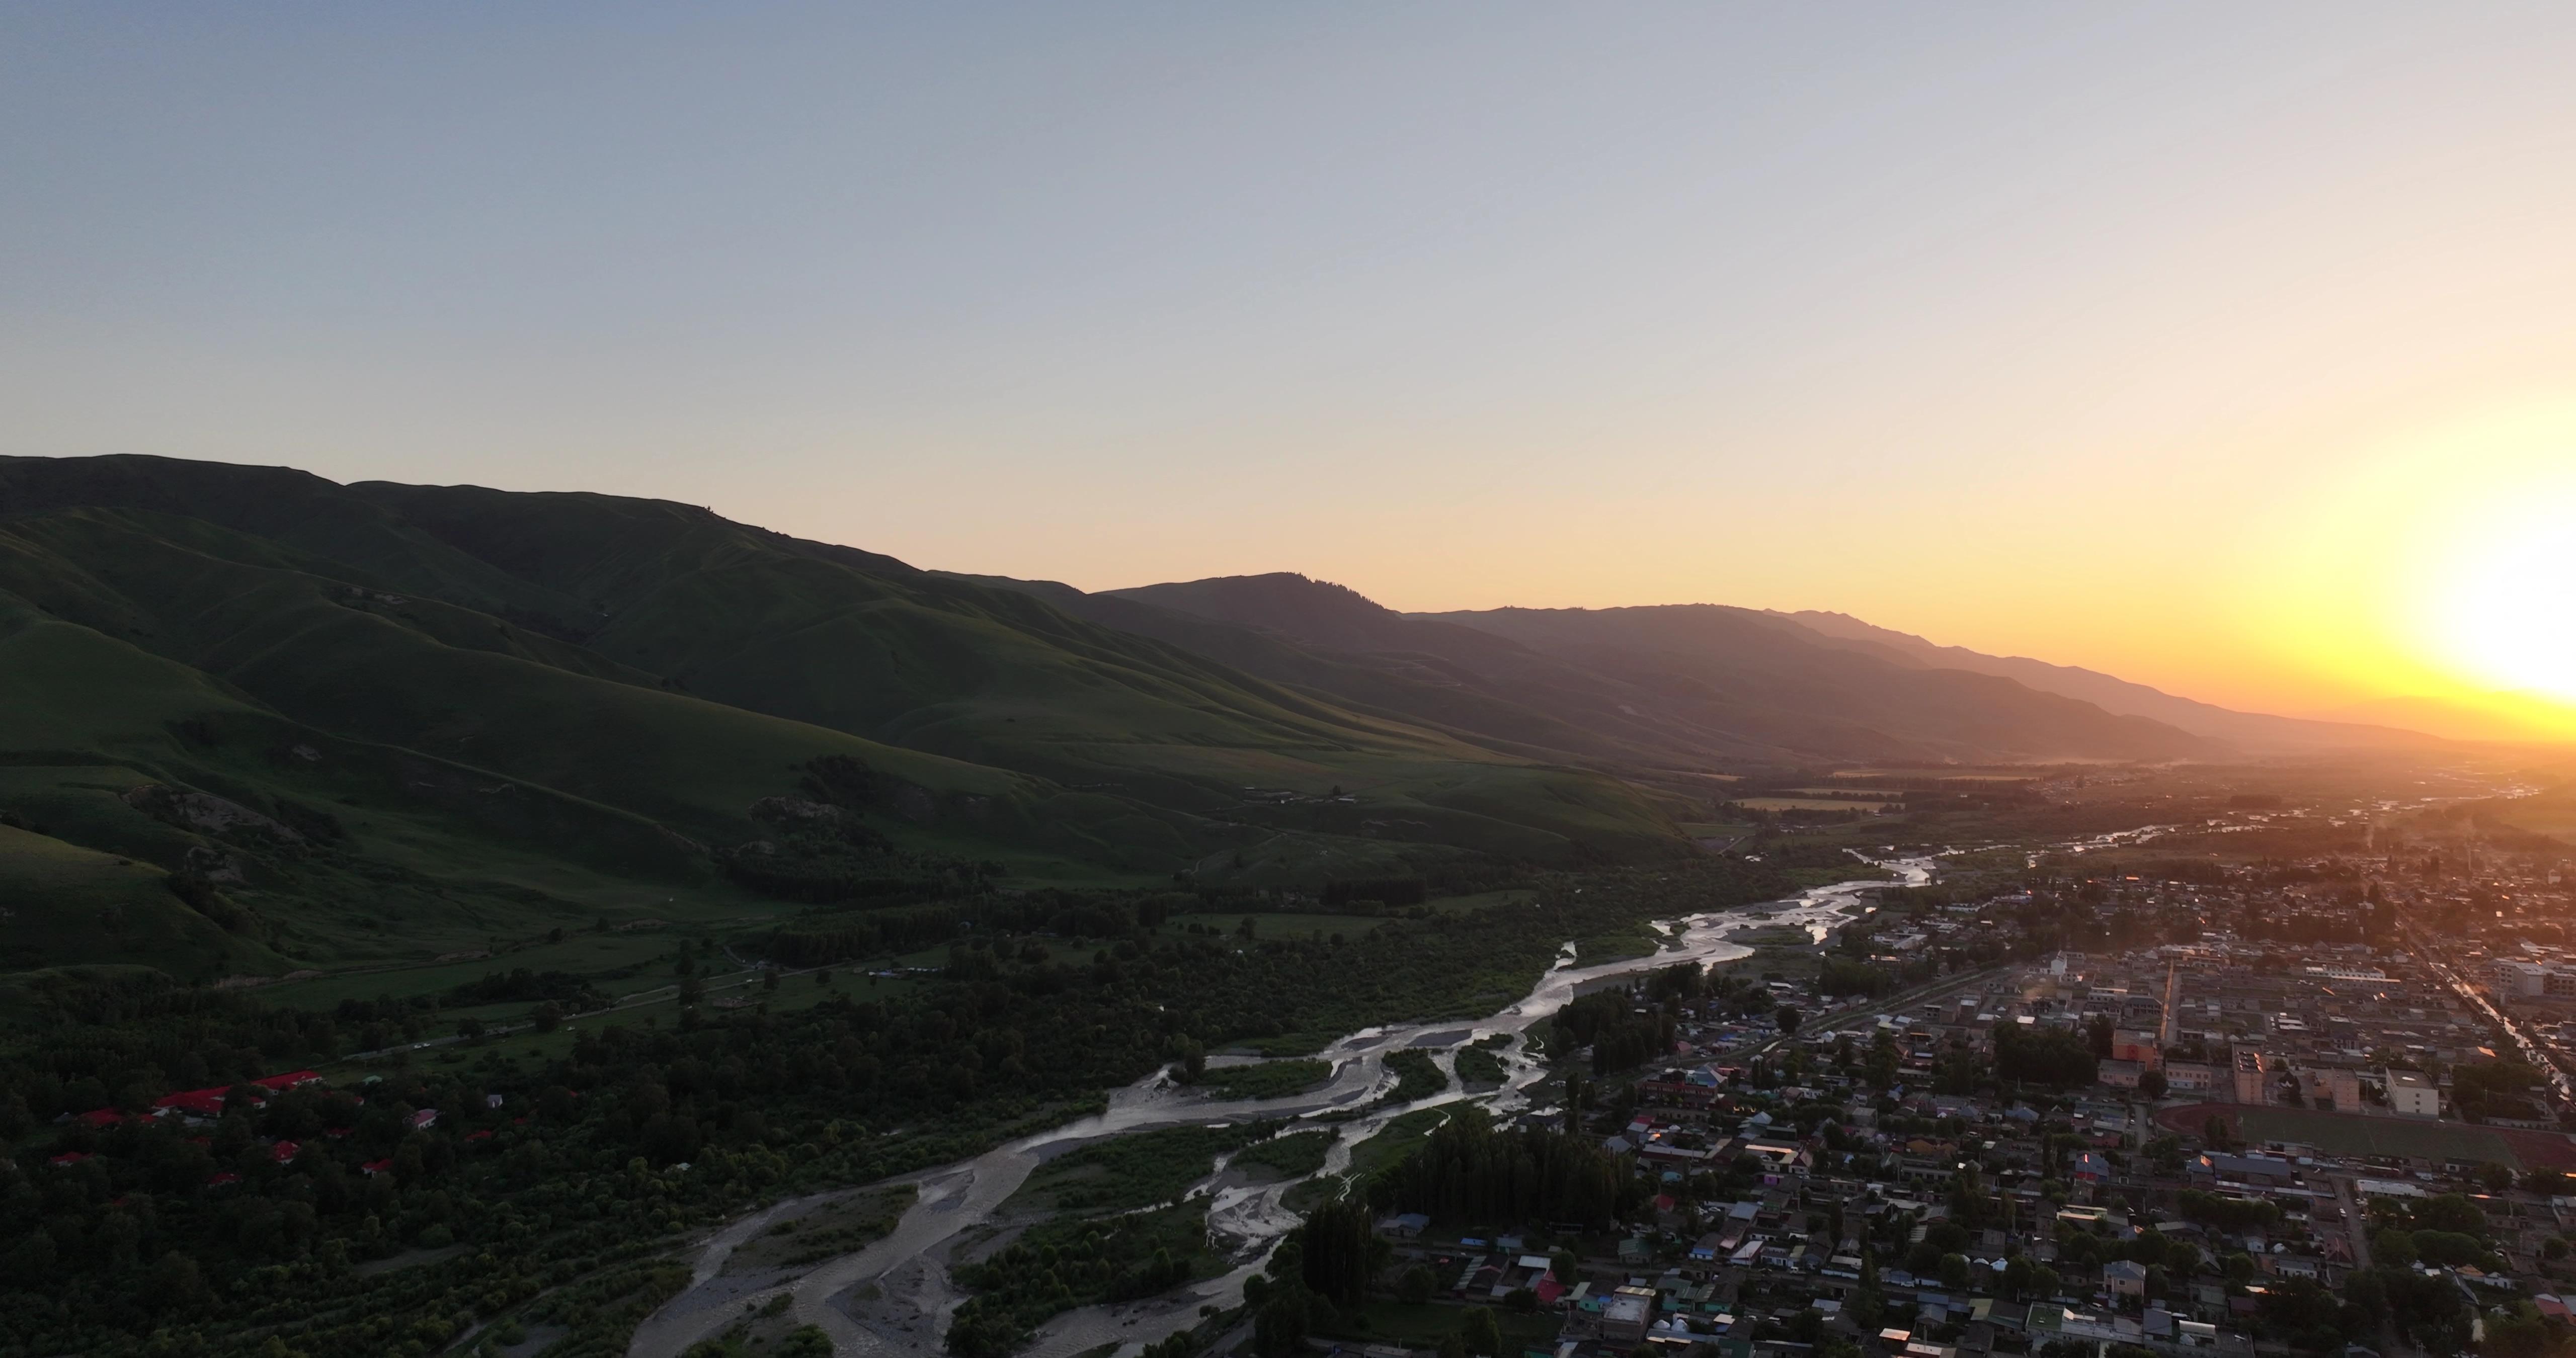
(2051, 1057)
(1844, 976)
(841, 936)
(2493, 1089)
(1382, 890)
(107, 1038)
(1620, 1032)
(1468, 1171)
(574, 993)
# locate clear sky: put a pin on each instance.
(2230, 348)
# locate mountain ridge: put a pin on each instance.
(2256, 731)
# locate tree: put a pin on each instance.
(177, 1287)
(1954, 1271)
(1480, 1332)
(548, 1016)
(2152, 1084)
(1279, 1327)
(1416, 1286)
(1787, 1017)
(1339, 1251)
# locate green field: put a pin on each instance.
(2344, 1134)
(1286, 1156)
(1265, 1079)
(1805, 804)
(389, 723)
(1280, 925)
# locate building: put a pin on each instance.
(2125, 1278)
(1625, 1315)
(2131, 1044)
(2189, 1077)
(2252, 1078)
(2117, 1073)
(2530, 980)
(2411, 1095)
(2259, 1171)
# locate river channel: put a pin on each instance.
(893, 1298)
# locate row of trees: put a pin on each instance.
(1469, 1170)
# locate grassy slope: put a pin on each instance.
(845, 639)
(444, 853)
(67, 901)
(530, 710)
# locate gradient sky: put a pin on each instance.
(2209, 345)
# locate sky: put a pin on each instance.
(2230, 349)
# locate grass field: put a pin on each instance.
(1129, 1172)
(1265, 1079)
(1287, 1156)
(1397, 1139)
(1806, 804)
(1281, 925)
(2354, 1134)
(462, 777)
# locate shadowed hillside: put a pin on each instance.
(1701, 684)
(344, 719)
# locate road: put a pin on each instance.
(2540, 1057)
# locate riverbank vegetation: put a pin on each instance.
(1265, 1079)
(496, 1180)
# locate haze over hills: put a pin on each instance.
(2253, 731)
(1704, 686)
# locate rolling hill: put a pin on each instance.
(2253, 732)
(343, 721)
(1701, 685)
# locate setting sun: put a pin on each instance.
(2509, 605)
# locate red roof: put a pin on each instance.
(1548, 1289)
(100, 1117)
(203, 1102)
(478, 1136)
(291, 1080)
(424, 1118)
(376, 1166)
(284, 1151)
(227, 1177)
(70, 1158)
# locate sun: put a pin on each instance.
(2507, 611)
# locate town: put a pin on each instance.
(2312, 1105)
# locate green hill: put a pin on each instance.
(372, 721)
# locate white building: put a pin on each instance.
(2411, 1095)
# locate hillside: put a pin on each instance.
(2253, 732)
(362, 720)
(1705, 686)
